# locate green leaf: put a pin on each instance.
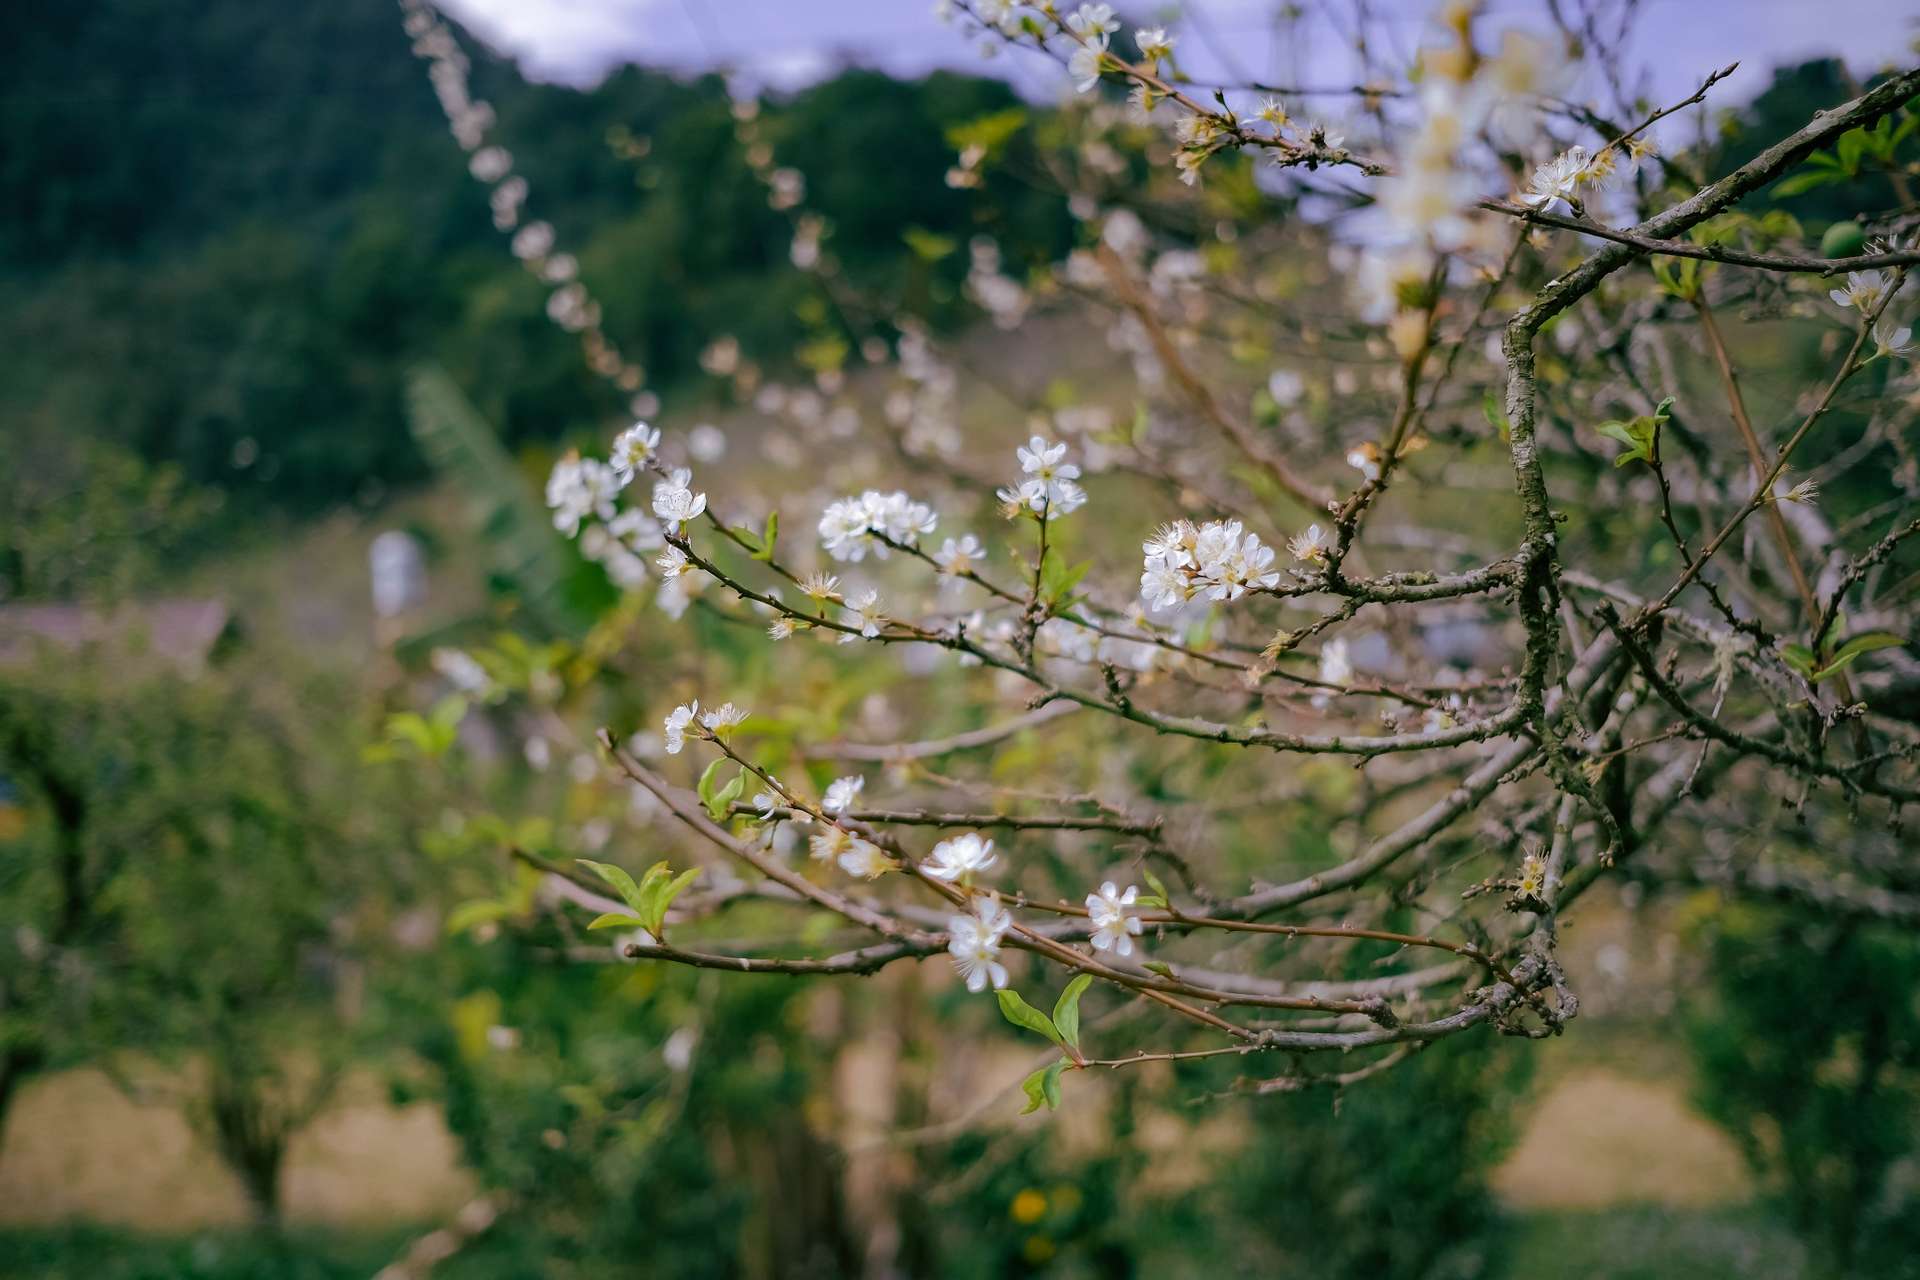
(770, 536)
(1826, 174)
(617, 920)
(928, 246)
(1827, 639)
(617, 877)
(1852, 145)
(989, 132)
(1491, 410)
(1043, 1088)
(708, 786)
(1021, 1014)
(1641, 435)
(1799, 657)
(468, 914)
(517, 542)
(718, 800)
(1058, 579)
(658, 892)
(1866, 642)
(1066, 1010)
(1159, 897)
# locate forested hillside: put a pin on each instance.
(227, 239)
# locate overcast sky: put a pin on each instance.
(783, 43)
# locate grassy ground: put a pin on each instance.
(100, 1253)
(1651, 1243)
(1616, 1244)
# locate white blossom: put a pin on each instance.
(958, 557)
(723, 718)
(864, 860)
(975, 944)
(961, 856)
(820, 587)
(1115, 924)
(847, 526)
(867, 614)
(631, 449)
(636, 530)
(1215, 561)
(1335, 666)
(1154, 43)
(1311, 546)
(676, 725)
(577, 488)
(673, 562)
(1557, 181)
(460, 670)
(828, 844)
(1085, 62)
(675, 502)
(1890, 341)
(1286, 387)
(1049, 487)
(1863, 292)
(842, 793)
(1093, 21)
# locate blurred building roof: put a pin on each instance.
(179, 632)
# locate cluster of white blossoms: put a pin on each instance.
(716, 723)
(1115, 921)
(1064, 638)
(1003, 298)
(1864, 292)
(581, 493)
(578, 488)
(1443, 164)
(974, 943)
(855, 855)
(1213, 561)
(852, 526)
(569, 305)
(1048, 486)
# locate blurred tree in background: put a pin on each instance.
(188, 879)
(1807, 1044)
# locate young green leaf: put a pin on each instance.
(617, 920)
(1043, 1088)
(1799, 657)
(617, 877)
(657, 893)
(468, 914)
(709, 783)
(1491, 410)
(1641, 435)
(768, 537)
(1865, 642)
(1066, 1010)
(720, 802)
(1021, 1014)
